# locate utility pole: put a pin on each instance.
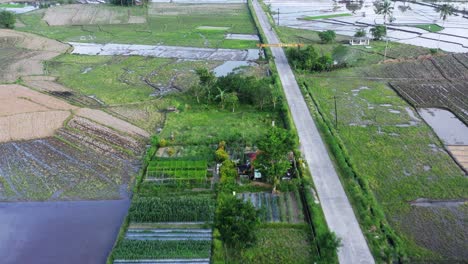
(278, 17)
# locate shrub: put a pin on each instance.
(360, 33)
(221, 155)
(309, 60)
(327, 36)
(7, 19)
(236, 221)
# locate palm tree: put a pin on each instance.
(445, 11)
(384, 8)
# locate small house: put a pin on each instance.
(359, 41)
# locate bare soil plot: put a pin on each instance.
(91, 15)
(111, 121)
(11, 38)
(26, 114)
(23, 53)
(461, 155)
(48, 84)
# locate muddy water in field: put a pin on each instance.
(447, 126)
(59, 232)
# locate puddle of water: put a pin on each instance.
(86, 70)
(59, 232)
(393, 111)
(356, 91)
(446, 125)
(229, 67)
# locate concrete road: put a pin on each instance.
(336, 207)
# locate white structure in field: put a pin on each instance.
(362, 41)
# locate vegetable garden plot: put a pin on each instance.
(172, 209)
(178, 173)
(157, 249)
(283, 207)
(168, 234)
(178, 164)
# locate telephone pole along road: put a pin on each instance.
(335, 204)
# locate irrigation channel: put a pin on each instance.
(59, 232)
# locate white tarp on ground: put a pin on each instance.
(242, 37)
(453, 38)
(190, 53)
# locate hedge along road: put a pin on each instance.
(336, 207)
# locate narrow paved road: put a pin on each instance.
(336, 207)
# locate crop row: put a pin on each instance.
(177, 164)
(172, 209)
(156, 249)
(284, 207)
(177, 174)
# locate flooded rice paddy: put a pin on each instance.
(59, 232)
(189, 53)
(361, 14)
(446, 125)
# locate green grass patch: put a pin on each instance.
(123, 79)
(154, 249)
(430, 27)
(204, 125)
(326, 16)
(276, 244)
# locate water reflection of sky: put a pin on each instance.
(454, 36)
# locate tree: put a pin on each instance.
(198, 91)
(327, 36)
(384, 8)
(273, 160)
(221, 97)
(7, 19)
(445, 11)
(378, 32)
(236, 221)
(360, 33)
(329, 243)
(232, 100)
